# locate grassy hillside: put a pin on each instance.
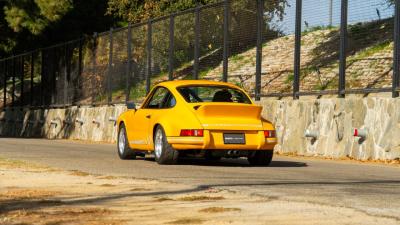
(369, 61)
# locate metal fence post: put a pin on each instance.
(226, 40)
(78, 77)
(13, 82)
(128, 63)
(396, 52)
(54, 91)
(196, 43)
(343, 47)
(93, 80)
(5, 83)
(297, 50)
(32, 75)
(22, 76)
(2, 73)
(66, 71)
(110, 67)
(149, 48)
(42, 79)
(260, 21)
(171, 47)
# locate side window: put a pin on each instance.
(170, 102)
(157, 99)
(161, 99)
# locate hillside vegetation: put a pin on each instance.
(369, 61)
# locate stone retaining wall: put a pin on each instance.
(77, 123)
(333, 119)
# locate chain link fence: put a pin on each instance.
(271, 48)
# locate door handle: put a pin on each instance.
(148, 116)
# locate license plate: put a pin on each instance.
(234, 139)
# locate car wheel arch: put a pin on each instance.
(120, 123)
(154, 129)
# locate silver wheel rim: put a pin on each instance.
(121, 141)
(158, 143)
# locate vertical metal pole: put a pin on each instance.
(13, 82)
(22, 76)
(54, 91)
(42, 78)
(196, 44)
(330, 13)
(149, 48)
(343, 47)
(171, 47)
(129, 63)
(396, 52)
(77, 85)
(93, 80)
(32, 75)
(80, 53)
(226, 40)
(260, 21)
(3, 69)
(110, 67)
(297, 50)
(6, 71)
(66, 73)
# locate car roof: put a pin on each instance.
(177, 83)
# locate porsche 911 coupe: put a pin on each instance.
(197, 118)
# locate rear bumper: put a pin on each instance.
(213, 140)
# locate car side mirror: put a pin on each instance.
(131, 105)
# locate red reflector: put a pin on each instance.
(355, 132)
(269, 133)
(195, 133)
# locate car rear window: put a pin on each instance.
(208, 93)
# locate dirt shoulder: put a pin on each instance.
(36, 194)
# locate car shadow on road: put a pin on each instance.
(233, 163)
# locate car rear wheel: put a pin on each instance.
(260, 158)
(124, 151)
(164, 153)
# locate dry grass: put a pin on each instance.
(162, 199)
(19, 194)
(108, 177)
(187, 221)
(60, 215)
(79, 173)
(18, 164)
(140, 189)
(108, 185)
(201, 198)
(219, 210)
(38, 206)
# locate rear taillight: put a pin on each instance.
(192, 133)
(269, 133)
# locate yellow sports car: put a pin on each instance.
(196, 119)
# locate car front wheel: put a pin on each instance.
(164, 153)
(124, 151)
(260, 158)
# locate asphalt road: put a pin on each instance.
(373, 189)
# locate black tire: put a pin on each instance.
(260, 158)
(124, 152)
(166, 154)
